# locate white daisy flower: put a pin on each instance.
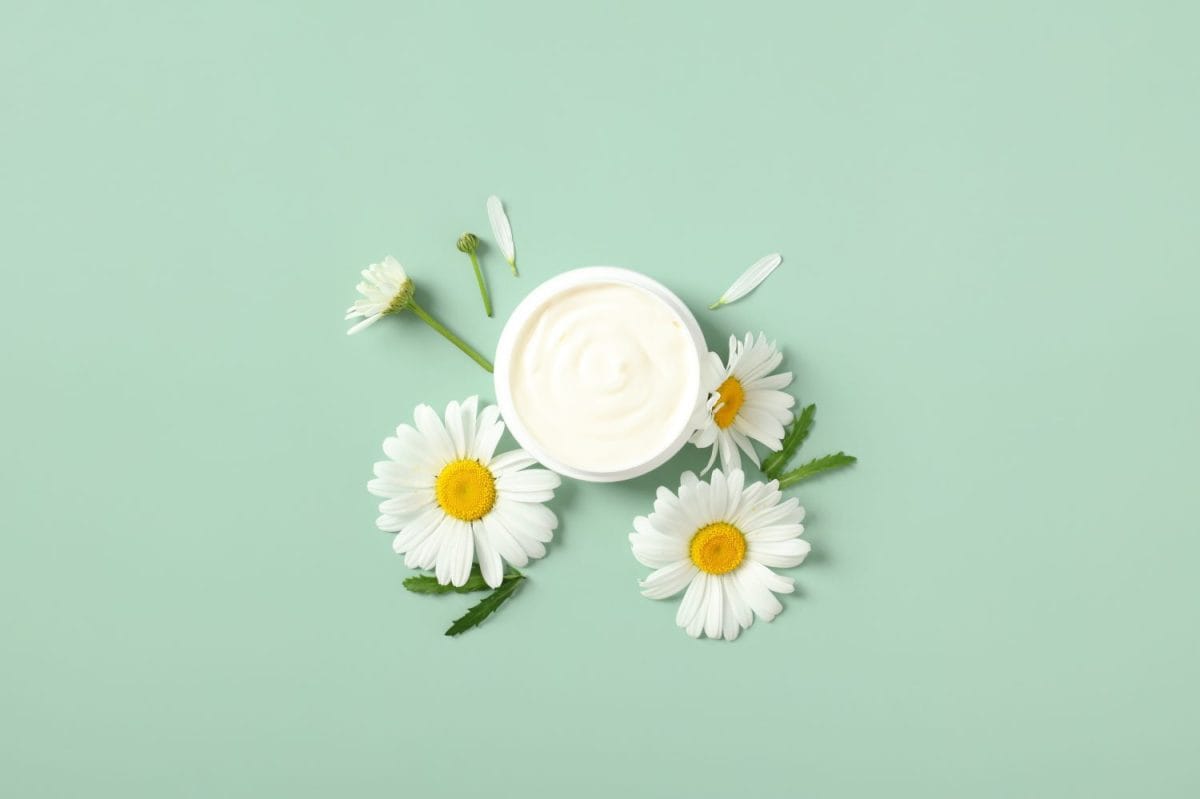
(744, 402)
(385, 289)
(453, 501)
(718, 540)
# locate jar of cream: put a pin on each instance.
(598, 373)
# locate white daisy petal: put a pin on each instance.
(758, 597)
(775, 532)
(774, 582)
(694, 607)
(718, 497)
(528, 480)
(532, 539)
(503, 542)
(768, 515)
(364, 324)
(407, 502)
(511, 461)
(403, 476)
(466, 554)
(454, 427)
(669, 580)
(502, 230)
(761, 426)
(490, 564)
(487, 437)
(715, 600)
(774, 382)
(424, 555)
(437, 440)
(654, 549)
(469, 414)
(780, 554)
(418, 530)
(750, 279)
(539, 520)
(736, 602)
(731, 625)
(389, 523)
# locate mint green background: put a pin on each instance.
(989, 219)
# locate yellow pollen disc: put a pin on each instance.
(732, 397)
(717, 548)
(466, 490)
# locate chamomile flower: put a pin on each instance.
(452, 501)
(744, 402)
(387, 289)
(719, 540)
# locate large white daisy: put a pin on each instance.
(718, 539)
(744, 402)
(452, 501)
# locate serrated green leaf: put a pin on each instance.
(774, 464)
(428, 584)
(488, 605)
(814, 467)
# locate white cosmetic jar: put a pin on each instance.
(598, 374)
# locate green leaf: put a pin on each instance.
(815, 467)
(488, 605)
(774, 464)
(428, 584)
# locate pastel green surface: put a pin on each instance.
(989, 223)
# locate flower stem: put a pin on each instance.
(513, 264)
(483, 292)
(455, 340)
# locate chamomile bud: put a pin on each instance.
(469, 243)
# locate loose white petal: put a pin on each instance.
(502, 230)
(750, 279)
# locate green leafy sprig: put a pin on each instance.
(488, 605)
(815, 467)
(428, 584)
(795, 435)
(775, 464)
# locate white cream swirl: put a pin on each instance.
(600, 376)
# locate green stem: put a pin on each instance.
(483, 292)
(513, 264)
(453, 339)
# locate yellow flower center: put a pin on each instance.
(466, 490)
(730, 402)
(717, 548)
